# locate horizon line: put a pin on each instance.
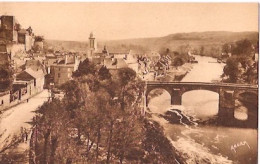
(104, 40)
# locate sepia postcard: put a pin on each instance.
(128, 83)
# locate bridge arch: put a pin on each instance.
(204, 103)
(153, 89)
(189, 89)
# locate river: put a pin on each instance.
(204, 143)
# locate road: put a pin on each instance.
(18, 116)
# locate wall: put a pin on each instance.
(5, 98)
(26, 93)
(62, 73)
(21, 38)
(29, 41)
(9, 33)
(13, 49)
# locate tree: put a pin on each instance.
(126, 75)
(97, 121)
(231, 69)
(53, 126)
(39, 38)
(6, 77)
(8, 150)
(243, 47)
(104, 73)
(202, 51)
(226, 48)
(86, 67)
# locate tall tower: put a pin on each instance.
(92, 43)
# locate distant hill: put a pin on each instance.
(66, 45)
(212, 40)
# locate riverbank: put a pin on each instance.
(173, 74)
(202, 143)
(176, 73)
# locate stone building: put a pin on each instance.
(26, 38)
(9, 29)
(62, 71)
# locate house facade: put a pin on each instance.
(62, 71)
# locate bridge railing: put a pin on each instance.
(204, 83)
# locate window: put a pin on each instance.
(2, 102)
(58, 75)
(59, 69)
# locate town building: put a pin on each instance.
(4, 56)
(92, 44)
(62, 71)
(29, 76)
(115, 60)
(9, 29)
(25, 37)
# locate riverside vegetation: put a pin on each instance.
(99, 121)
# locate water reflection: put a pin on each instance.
(241, 113)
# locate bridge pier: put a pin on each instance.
(226, 105)
(176, 97)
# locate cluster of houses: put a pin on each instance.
(142, 63)
(153, 62)
(35, 69)
(16, 44)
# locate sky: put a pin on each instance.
(111, 21)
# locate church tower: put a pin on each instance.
(92, 43)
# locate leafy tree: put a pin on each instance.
(8, 149)
(226, 48)
(178, 61)
(6, 77)
(39, 38)
(104, 73)
(231, 69)
(97, 121)
(243, 47)
(86, 67)
(126, 75)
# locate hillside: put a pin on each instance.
(66, 45)
(210, 41)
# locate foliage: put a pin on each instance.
(6, 77)
(243, 47)
(104, 73)
(231, 69)
(8, 150)
(157, 146)
(86, 67)
(98, 121)
(39, 38)
(178, 61)
(241, 67)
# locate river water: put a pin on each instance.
(204, 143)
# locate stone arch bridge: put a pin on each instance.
(228, 92)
